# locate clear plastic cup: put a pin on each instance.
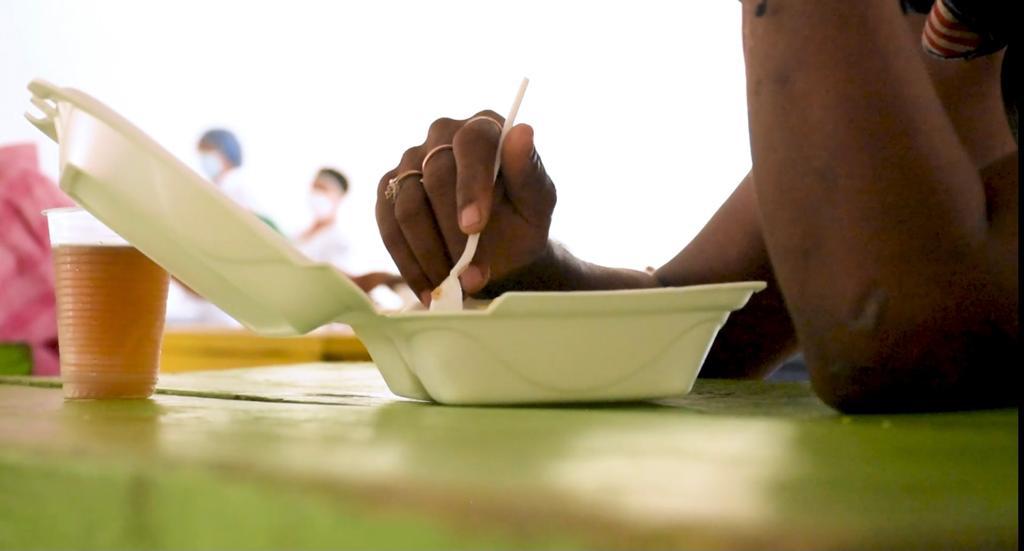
(111, 301)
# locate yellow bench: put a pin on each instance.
(198, 348)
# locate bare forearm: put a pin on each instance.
(730, 247)
(558, 270)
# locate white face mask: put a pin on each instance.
(210, 164)
(322, 205)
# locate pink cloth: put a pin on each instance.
(27, 305)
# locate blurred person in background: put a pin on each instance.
(220, 160)
(322, 240)
(325, 240)
(27, 302)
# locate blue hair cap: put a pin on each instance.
(225, 142)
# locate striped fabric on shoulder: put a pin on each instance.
(967, 28)
(945, 36)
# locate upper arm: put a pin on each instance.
(875, 215)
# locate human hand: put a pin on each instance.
(444, 189)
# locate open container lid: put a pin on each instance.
(185, 224)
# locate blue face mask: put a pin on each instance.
(210, 164)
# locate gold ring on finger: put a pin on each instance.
(437, 149)
(391, 190)
(484, 118)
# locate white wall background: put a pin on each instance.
(639, 106)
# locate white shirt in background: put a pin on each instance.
(332, 246)
(232, 184)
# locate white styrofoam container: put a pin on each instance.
(522, 348)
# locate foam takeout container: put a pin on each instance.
(526, 347)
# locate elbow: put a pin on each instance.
(916, 368)
(914, 384)
(852, 388)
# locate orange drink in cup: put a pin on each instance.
(111, 300)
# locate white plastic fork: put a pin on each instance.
(447, 297)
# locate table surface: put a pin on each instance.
(323, 456)
(15, 359)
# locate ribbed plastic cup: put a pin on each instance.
(111, 301)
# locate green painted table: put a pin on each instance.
(15, 359)
(322, 456)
